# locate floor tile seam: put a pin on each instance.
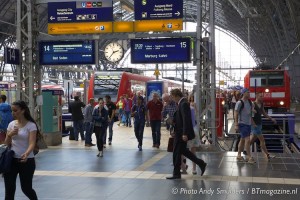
(154, 175)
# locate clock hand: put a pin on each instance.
(113, 53)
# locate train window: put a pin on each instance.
(258, 81)
(276, 81)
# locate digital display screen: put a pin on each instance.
(166, 50)
(67, 52)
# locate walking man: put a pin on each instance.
(155, 107)
(111, 115)
(183, 132)
(243, 120)
(88, 123)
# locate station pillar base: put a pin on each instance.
(53, 139)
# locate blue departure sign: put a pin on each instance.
(67, 52)
(79, 11)
(166, 50)
(11, 56)
(158, 9)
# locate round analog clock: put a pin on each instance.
(114, 52)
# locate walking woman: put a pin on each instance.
(21, 136)
(139, 112)
(100, 116)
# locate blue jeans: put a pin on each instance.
(88, 127)
(78, 127)
(155, 127)
(110, 130)
(128, 118)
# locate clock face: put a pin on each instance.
(114, 52)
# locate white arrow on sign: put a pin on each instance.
(51, 18)
(177, 13)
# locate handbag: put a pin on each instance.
(6, 158)
(39, 143)
(170, 144)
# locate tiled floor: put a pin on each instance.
(72, 171)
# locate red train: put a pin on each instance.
(118, 83)
(115, 84)
(274, 84)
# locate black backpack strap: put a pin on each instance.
(242, 106)
(250, 102)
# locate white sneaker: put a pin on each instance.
(270, 156)
(100, 153)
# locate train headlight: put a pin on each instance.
(281, 103)
(267, 90)
(223, 102)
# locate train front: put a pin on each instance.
(275, 86)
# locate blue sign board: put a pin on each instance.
(158, 9)
(67, 52)
(80, 11)
(3, 86)
(166, 50)
(154, 87)
(11, 56)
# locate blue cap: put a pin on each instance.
(244, 90)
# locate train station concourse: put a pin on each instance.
(55, 54)
(73, 171)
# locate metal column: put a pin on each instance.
(206, 70)
(28, 72)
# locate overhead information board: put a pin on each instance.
(80, 28)
(158, 25)
(80, 11)
(67, 52)
(166, 50)
(158, 9)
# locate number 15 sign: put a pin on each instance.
(12, 56)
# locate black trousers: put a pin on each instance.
(99, 132)
(25, 171)
(180, 148)
(139, 126)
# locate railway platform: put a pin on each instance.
(73, 171)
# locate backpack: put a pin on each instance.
(5, 115)
(243, 104)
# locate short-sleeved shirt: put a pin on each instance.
(20, 142)
(244, 115)
(111, 106)
(155, 109)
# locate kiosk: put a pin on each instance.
(51, 116)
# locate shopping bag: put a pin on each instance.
(170, 144)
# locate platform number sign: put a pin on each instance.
(12, 56)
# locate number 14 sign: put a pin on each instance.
(12, 56)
